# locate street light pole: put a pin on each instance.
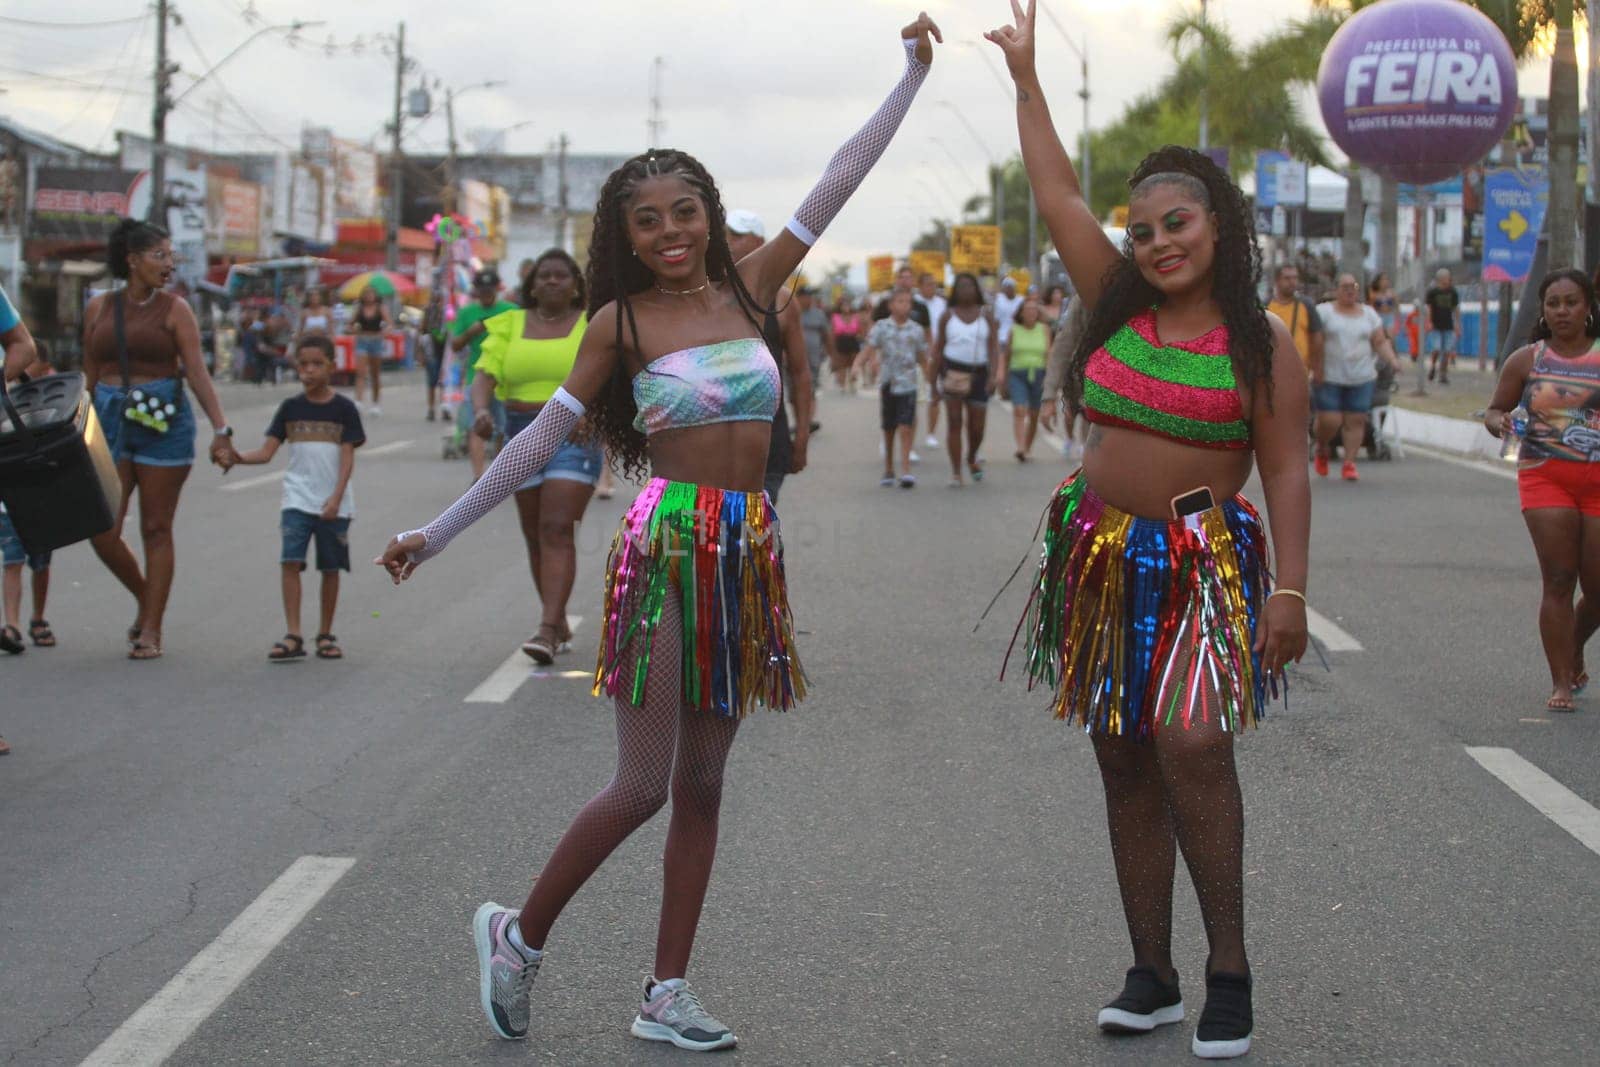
(391, 257)
(450, 192)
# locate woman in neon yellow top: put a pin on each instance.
(1023, 362)
(527, 354)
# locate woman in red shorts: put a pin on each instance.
(1557, 379)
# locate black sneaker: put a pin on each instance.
(1146, 1003)
(1227, 1021)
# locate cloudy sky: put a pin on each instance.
(761, 90)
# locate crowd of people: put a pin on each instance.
(1154, 617)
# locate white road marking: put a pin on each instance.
(1553, 800)
(166, 1020)
(506, 679)
(1505, 470)
(1333, 639)
(277, 476)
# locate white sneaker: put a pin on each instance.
(931, 441)
(672, 1012)
(375, 411)
(913, 457)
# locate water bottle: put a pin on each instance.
(1514, 430)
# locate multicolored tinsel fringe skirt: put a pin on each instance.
(1140, 623)
(722, 550)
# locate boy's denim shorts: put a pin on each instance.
(12, 554)
(332, 537)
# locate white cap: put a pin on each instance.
(740, 221)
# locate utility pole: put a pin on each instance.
(396, 164)
(158, 118)
(1205, 130)
(561, 193)
(1083, 135)
(449, 197)
(655, 125)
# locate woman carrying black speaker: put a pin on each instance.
(140, 344)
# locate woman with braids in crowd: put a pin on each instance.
(697, 631)
(1151, 615)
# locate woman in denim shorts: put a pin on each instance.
(149, 421)
(369, 324)
(527, 354)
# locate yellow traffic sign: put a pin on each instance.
(928, 263)
(880, 273)
(975, 249)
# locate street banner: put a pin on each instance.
(923, 262)
(880, 273)
(1515, 201)
(80, 203)
(975, 249)
(1291, 183)
(1267, 161)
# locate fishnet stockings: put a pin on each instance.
(663, 748)
(1179, 791)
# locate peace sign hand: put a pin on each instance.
(919, 31)
(1016, 41)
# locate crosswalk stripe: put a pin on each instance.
(1552, 799)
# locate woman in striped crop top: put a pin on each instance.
(696, 630)
(1556, 379)
(1151, 616)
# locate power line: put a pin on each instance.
(228, 96)
(102, 24)
(115, 65)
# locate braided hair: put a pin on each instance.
(616, 274)
(1235, 273)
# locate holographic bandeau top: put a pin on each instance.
(730, 381)
(1184, 391)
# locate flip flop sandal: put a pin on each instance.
(328, 647)
(133, 634)
(977, 471)
(291, 647)
(11, 641)
(140, 650)
(1580, 683)
(39, 633)
(1562, 704)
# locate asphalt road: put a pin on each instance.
(914, 866)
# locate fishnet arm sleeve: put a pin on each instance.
(524, 455)
(858, 155)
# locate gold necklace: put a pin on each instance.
(685, 292)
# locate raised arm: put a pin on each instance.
(766, 269)
(524, 455)
(1084, 248)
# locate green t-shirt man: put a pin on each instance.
(485, 287)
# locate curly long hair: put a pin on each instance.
(616, 274)
(1591, 325)
(1235, 273)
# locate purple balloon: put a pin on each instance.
(1418, 90)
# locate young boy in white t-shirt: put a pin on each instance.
(323, 430)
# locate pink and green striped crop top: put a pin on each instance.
(730, 381)
(1184, 391)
